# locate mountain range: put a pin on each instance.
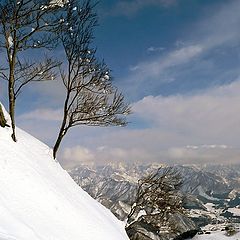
(211, 193)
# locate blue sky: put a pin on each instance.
(178, 64)
(152, 30)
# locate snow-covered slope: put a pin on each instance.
(40, 201)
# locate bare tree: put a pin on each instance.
(157, 198)
(25, 25)
(91, 99)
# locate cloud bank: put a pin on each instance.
(201, 128)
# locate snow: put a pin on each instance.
(59, 3)
(106, 77)
(10, 41)
(40, 201)
(217, 236)
(203, 194)
(234, 211)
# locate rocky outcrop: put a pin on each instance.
(142, 231)
(181, 227)
(191, 202)
(3, 121)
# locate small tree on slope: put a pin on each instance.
(157, 198)
(25, 25)
(91, 98)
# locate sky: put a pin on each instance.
(178, 64)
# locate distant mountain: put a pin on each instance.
(210, 193)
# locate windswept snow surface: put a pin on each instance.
(40, 201)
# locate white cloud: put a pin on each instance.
(204, 155)
(220, 28)
(207, 116)
(45, 114)
(155, 49)
(120, 154)
(77, 155)
(174, 58)
(204, 123)
(197, 128)
(208, 146)
(155, 68)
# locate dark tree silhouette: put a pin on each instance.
(157, 198)
(91, 99)
(25, 25)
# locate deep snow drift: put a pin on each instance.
(40, 201)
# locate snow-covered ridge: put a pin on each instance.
(40, 201)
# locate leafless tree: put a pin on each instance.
(26, 25)
(157, 198)
(91, 99)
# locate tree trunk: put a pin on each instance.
(12, 104)
(3, 122)
(61, 134)
(63, 129)
(57, 143)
